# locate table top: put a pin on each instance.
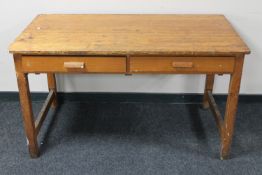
(61, 34)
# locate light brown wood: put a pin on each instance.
(210, 78)
(182, 64)
(43, 112)
(60, 64)
(74, 65)
(51, 79)
(216, 112)
(231, 107)
(143, 64)
(26, 107)
(129, 44)
(129, 35)
(128, 65)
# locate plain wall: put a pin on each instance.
(245, 16)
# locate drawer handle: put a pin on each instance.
(74, 65)
(182, 64)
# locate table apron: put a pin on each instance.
(128, 65)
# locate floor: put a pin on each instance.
(130, 138)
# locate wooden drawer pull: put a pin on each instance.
(75, 65)
(182, 64)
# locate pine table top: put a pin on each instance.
(59, 34)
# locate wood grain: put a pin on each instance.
(210, 78)
(26, 107)
(196, 64)
(91, 64)
(43, 112)
(51, 79)
(130, 44)
(129, 35)
(217, 115)
(231, 108)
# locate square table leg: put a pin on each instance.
(27, 112)
(231, 108)
(32, 126)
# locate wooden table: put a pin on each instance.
(129, 44)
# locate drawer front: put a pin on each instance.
(183, 65)
(72, 64)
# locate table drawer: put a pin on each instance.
(76, 64)
(141, 64)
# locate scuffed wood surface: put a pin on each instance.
(129, 35)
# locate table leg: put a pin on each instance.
(231, 108)
(27, 113)
(52, 86)
(208, 87)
